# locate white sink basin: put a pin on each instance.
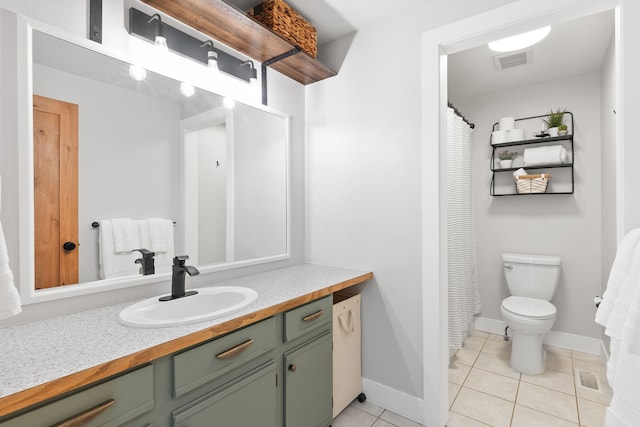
(207, 304)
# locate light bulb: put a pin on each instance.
(519, 41)
(228, 103)
(186, 89)
(161, 43)
(137, 73)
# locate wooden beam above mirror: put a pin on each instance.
(230, 26)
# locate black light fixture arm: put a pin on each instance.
(273, 60)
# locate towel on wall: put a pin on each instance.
(619, 312)
(10, 303)
(539, 156)
(157, 236)
(126, 235)
(112, 263)
(114, 235)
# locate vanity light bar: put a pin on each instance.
(142, 26)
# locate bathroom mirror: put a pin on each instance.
(149, 148)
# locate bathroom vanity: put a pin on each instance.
(268, 365)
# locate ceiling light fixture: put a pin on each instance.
(519, 41)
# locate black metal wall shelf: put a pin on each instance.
(538, 141)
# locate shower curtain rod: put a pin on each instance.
(459, 114)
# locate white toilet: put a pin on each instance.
(532, 281)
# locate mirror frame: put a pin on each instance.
(28, 293)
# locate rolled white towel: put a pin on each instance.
(552, 155)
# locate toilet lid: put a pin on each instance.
(529, 307)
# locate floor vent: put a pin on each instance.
(589, 380)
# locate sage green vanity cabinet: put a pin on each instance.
(116, 402)
(274, 373)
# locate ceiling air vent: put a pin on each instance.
(512, 59)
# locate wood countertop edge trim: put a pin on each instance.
(52, 389)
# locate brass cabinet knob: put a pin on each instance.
(292, 367)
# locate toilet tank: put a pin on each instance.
(533, 276)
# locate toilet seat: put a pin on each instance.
(532, 308)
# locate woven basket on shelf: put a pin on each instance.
(527, 184)
(282, 19)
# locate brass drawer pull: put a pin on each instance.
(84, 417)
(235, 350)
(313, 316)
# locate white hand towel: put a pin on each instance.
(10, 303)
(552, 155)
(126, 235)
(619, 270)
(114, 264)
(160, 234)
(159, 238)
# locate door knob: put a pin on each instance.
(68, 246)
(292, 367)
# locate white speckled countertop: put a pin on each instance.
(36, 353)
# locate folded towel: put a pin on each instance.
(114, 264)
(10, 303)
(552, 155)
(126, 235)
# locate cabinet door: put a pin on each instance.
(308, 383)
(249, 401)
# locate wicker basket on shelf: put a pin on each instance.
(527, 184)
(286, 22)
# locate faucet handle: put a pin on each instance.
(180, 259)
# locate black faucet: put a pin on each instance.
(177, 280)
(146, 262)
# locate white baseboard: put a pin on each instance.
(554, 338)
(401, 403)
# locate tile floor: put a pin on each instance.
(485, 391)
(369, 415)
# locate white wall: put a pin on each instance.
(568, 226)
(212, 194)
(364, 191)
(285, 95)
(609, 104)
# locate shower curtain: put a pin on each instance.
(464, 297)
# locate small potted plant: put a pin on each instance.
(562, 130)
(506, 158)
(554, 120)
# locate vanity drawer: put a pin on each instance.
(307, 318)
(199, 365)
(109, 404)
